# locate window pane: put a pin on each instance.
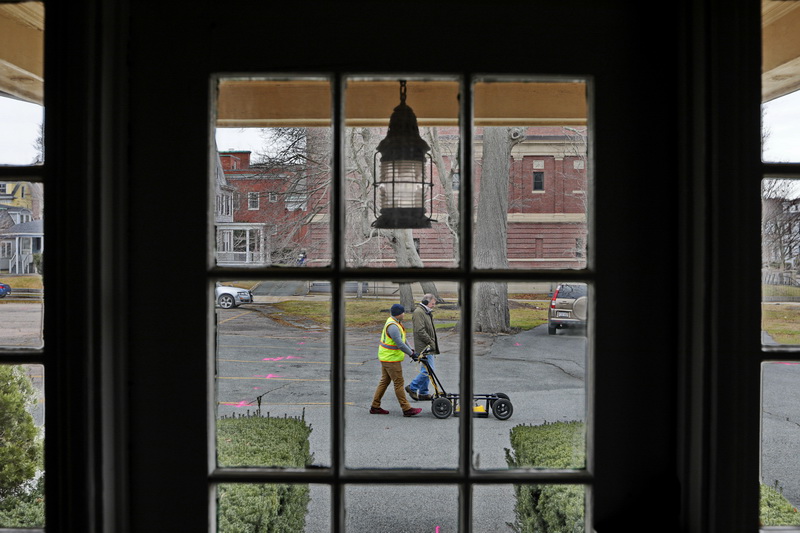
(371, 508)
(529, 507)
(429, 438)
(284, 507)
(780, 225)
(21, 264)
(529, 361)
(781, 101)
(402, 204)
(273, 172)
(273, 374)
(22, 83)
(21, 445)
(780, 443)
(531, 141)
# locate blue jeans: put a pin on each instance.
(420, 383)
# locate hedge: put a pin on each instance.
(262, 441)
(776, 509)
(548, 508)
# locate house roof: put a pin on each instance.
(31, 228)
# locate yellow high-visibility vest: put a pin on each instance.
(387, 349)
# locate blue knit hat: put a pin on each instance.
(398, 309)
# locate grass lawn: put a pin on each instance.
(32, 281)
(372, 313)
(782, 322)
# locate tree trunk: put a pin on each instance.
(491, 228)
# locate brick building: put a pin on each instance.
(546, 206)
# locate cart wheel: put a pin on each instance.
(442, 408)
(499, 395)
(502, 409)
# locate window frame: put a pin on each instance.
(538, 174)
(337, 476)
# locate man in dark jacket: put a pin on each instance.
(424, 335)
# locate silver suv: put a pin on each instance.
(568, 307)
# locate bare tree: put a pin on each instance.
(780, 228)
(491, 229)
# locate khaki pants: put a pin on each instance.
(391, 372)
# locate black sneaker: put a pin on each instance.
(413, 394)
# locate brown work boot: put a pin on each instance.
(414, 411)
(423, 397)
(413, 394)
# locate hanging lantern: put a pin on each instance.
(400, 189)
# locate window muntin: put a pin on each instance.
(538, 181)
(347, 451)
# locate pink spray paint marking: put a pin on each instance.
(517, 344)
(281, 358)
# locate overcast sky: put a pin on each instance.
(19, 127)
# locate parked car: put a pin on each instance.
(228, 297)
(5, 290)
(568, 307)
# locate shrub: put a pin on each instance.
(776, 509)
(20, 452)
(548, 508)
(263, 441)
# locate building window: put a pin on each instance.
(538, 181)
(273, 197)
(252, 201)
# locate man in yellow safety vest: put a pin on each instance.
(392, 349)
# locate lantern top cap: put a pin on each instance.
(403, 141)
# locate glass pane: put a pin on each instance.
(529, 362)
(371, 508)
(780, 262)
(403, 174)
(273, 171)
(529, 507)
(283, 507)
(781, 129)
(21, 83)
(273, 374)
(780, 443)
(781, 101)
(531, 141)
(21, 264)
(379, 378)
(21, 445)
